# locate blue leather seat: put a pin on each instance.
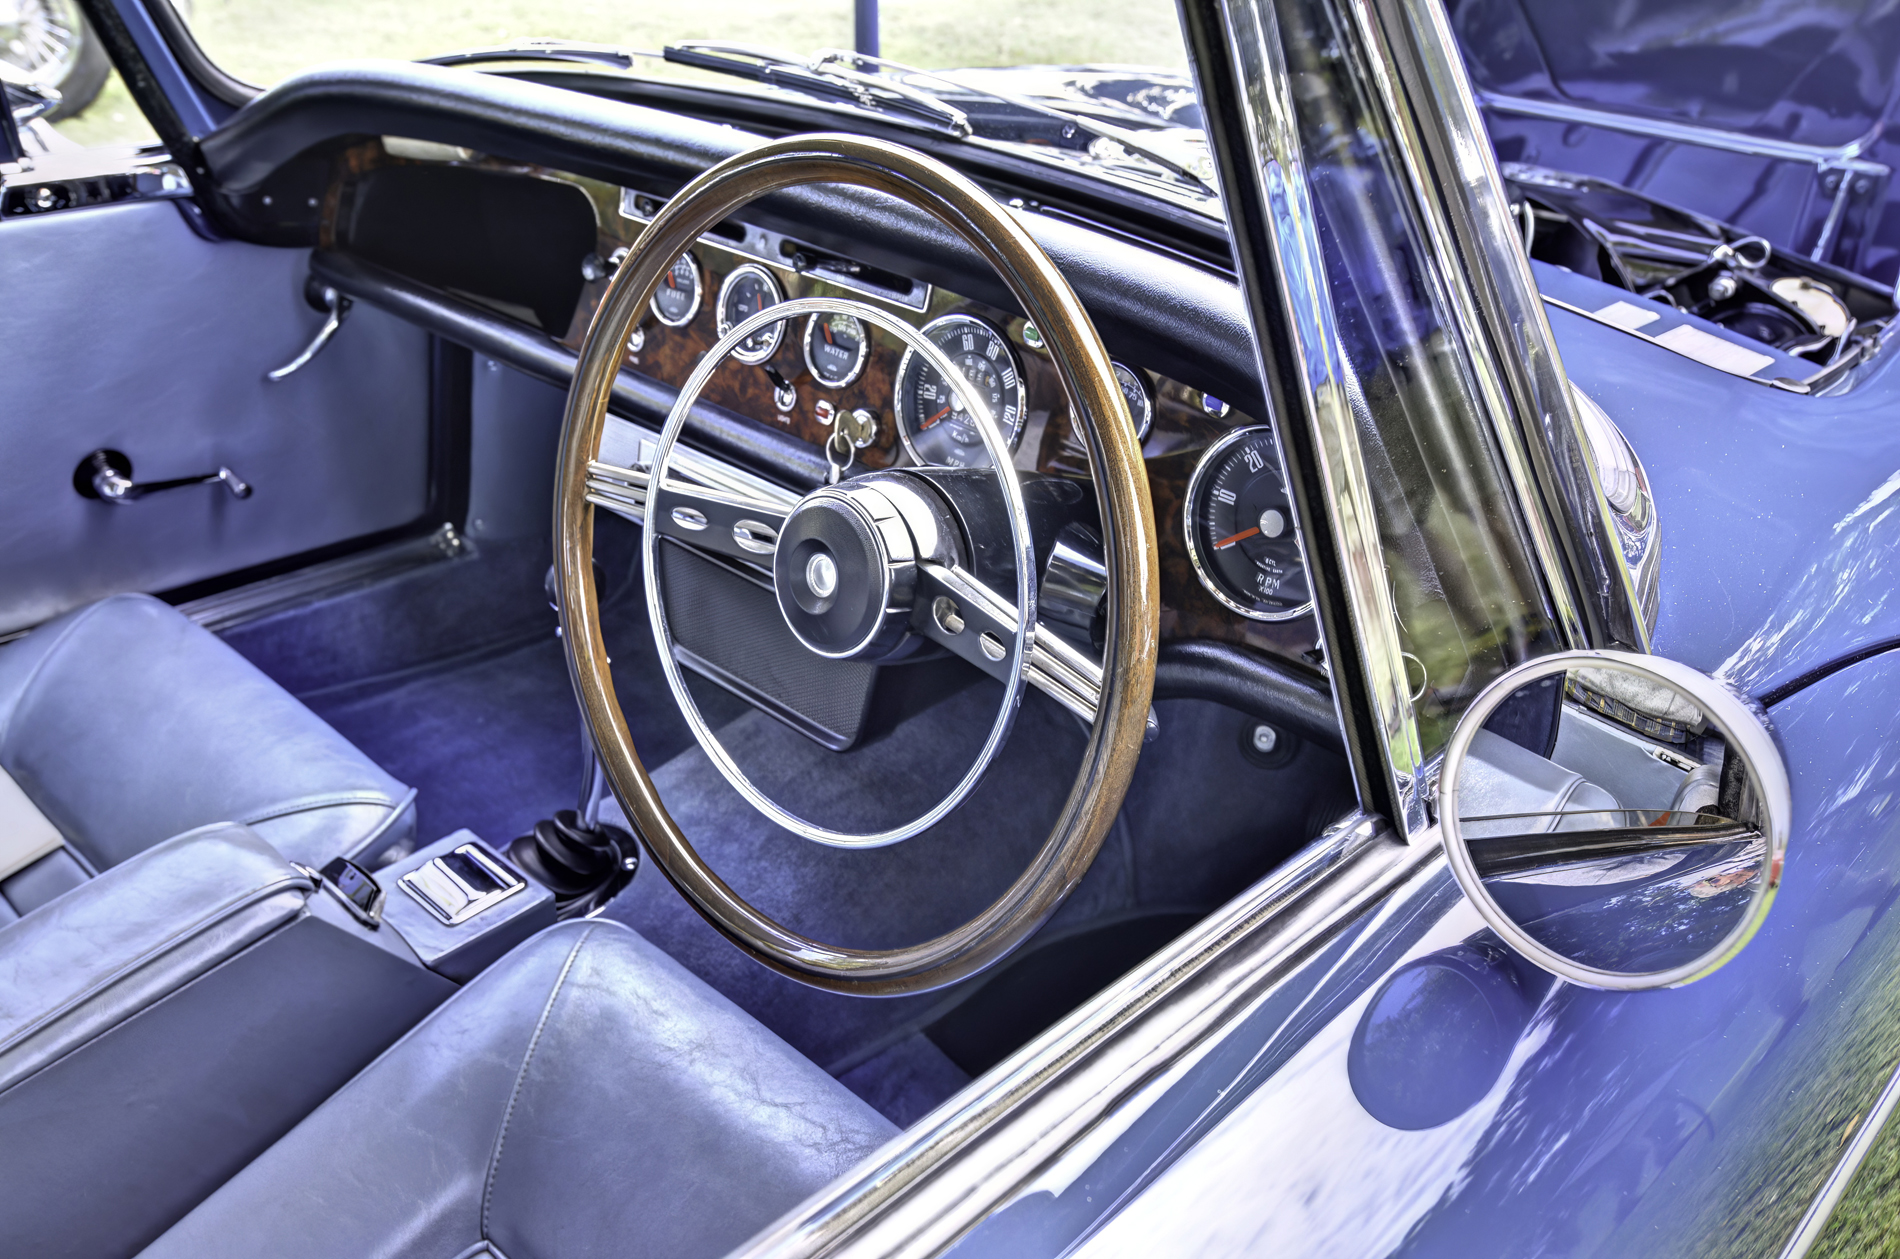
(587, 1096)
(125, 724)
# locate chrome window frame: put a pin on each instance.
(1453, 189)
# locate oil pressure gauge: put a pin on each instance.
(746, 292)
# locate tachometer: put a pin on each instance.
(933, 417)
(677, 299)
(1240, 532)
(746, 292)
(835, 346)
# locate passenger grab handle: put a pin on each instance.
(338, 306)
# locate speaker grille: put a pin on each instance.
(727, 628)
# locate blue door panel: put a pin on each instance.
(121, 328)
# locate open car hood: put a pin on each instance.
(1819, 72)
(1770, 114)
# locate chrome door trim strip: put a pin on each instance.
(1834, 1188)
(974, 1154)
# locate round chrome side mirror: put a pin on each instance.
(1618, 819)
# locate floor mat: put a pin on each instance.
(491, 743)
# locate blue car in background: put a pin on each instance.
(1270, 630)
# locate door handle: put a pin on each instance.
(107, 476)
(338, 306)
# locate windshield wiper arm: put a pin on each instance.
(1130, 140)
(817, 78)
(541, 50)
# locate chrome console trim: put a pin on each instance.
(450, 898)
(776, 249)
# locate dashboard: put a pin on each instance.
(1231, 564)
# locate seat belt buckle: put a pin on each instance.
(356, 888)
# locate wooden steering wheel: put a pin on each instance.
(888, 556)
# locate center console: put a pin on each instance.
(164, 1023)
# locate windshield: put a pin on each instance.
(262, 41)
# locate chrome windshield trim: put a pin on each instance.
(1337, 410)
(1459, 195)
(1085, 1077)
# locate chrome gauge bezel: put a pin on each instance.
(898, 411)
(699, 294)
(1210, 459)
(1146, 419)
(725, 325)
(857, 368)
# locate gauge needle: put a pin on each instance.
(826, 328)
(1242, 536)
(933, 419)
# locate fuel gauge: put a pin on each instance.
(677, 299)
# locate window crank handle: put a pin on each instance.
(107, 476)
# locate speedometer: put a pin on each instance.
(934, 416)
(1240, 531)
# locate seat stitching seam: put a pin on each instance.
(312, 803)
(521, 1076)
(197, 927)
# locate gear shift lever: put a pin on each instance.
(584, 866)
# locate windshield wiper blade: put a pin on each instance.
(1133, 141)
(846, 84)
(541, 50)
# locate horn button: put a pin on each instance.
(845, 573)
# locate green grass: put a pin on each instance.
(1866, 1224)
(263, 42)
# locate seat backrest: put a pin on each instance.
(126, 724)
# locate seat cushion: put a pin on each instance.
(586, 1096)
(126, 724)
(133, 935)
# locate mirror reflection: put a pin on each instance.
(1611, 820)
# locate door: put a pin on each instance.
(128, 326)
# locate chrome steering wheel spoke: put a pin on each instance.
(742, 526)
(846, 563)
